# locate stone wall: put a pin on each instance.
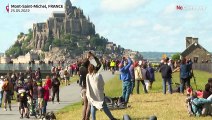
(200, 53)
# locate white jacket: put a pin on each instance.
(1, 84)
(95, 89)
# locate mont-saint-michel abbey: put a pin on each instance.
(71, 21)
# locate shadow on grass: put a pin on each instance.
(154, 100)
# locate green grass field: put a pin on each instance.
(165, 107)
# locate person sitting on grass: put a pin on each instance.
(201, 106)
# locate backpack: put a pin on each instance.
(65, 72)
(22, 96)
(49, 116)
(115, 103)
(56, 82)
(6, 86)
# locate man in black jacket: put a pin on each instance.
(166, 73)
(55, 88)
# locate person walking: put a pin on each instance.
(166, 73)
(7, 87)
(55, 88)
(112, 66)
(126, 79)
(46, 94)
(1, 90)
(83, 70)
(139, 78)
(145, 75)
(151, 75)
(95, 92)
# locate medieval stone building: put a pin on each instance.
(72, 22)
(195, 51)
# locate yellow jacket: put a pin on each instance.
(112, 64)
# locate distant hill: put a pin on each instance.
(156, 56)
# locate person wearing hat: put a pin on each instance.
(1, 90)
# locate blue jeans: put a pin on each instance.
(44, 106)
(182, 85)
(126, 90)
(169, 81)
(133, 85)
(105, 109)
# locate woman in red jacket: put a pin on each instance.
(47, 86)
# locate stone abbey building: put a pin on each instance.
(72, 22)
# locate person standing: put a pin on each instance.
(139, 78)
(166, 73)
(1, 90)
(7, 87)
(55, 88)
(112, 66)
(151, 75)
(95, 92)
(83, 70)
(132, 77)
(185, 73)
(38, 74)
(126, 78)
(185, 70)
(145, 75)
(46, 90)
(40, 91)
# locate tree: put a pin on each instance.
(56, 42)
(176, 56)
(47, 44)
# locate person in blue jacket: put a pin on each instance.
(125, 76)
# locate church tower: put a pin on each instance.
(68, 8)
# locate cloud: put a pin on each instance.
(170, 9)
(170, 30)
(29, 24)
(161, 28)
(121, 5)
(134, 23)
(191, 15)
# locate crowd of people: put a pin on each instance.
(29, 86)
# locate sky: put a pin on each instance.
(140, 25)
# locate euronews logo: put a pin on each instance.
(190, 8)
